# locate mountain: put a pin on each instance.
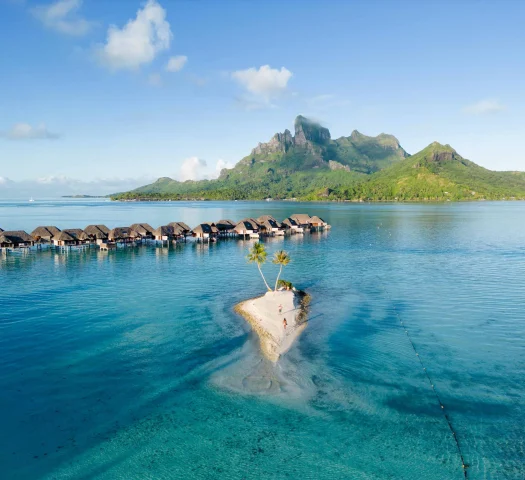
(309, 165)
(438, 172)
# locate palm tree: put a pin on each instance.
(280, 258)
(258, 255)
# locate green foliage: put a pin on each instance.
(380, 170)
(258, 255)
(285, 284)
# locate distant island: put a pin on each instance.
(310, 165)
(85, 196)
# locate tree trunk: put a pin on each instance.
(264, 279)
(277, 281)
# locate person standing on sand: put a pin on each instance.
(285, 323)
(280, 309)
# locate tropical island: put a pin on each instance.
(279, 316)
(310, 165)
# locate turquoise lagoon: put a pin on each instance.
(132, 364)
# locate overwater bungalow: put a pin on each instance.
(164, 233)
(247, 229)
(45, 234)
(270, 226)
(291, 226)
(205, 231)
(15, 239)
(180, 228)
(225, 227)
(97, 233)
(302, 219)
(122, 235)
(80, 237)
(63, 239)
(317, 223)
(144, 230)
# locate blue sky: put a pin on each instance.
(88, 90)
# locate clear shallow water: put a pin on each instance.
(131, 364)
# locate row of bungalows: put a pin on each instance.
(251, 228)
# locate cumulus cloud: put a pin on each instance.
(24, 131)
(193, 168)
(62, 17)
(176, 64)
(484, 107)
(265, 81)
(139, 41)
(221, 164)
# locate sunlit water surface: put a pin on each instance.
(132, 364)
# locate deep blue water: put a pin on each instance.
(132, 364)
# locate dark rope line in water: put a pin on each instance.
(464, 465)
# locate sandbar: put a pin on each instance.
(262, 313)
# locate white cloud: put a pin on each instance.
(220, 165)
(266, 82)
(484, 107)
(24, 131)
(139, 41)
(155, 80)
(5, 181)
(62, 16)
(193, 168)
(176, 64)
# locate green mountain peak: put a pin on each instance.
(310, 165)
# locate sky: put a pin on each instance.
(119, 93)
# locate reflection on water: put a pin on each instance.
(132, 364)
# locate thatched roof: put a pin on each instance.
(253, 221)
(180, 228)
(16, 236)
(77, 233)
(5, 240)
(95, 231)
(301, 218)
(270, 224)
(177, 229)
(289, 222)
(45, 232)
(203, 228)
(142, 228)
(164, 231)
(224, 225)
(121, 233)
(245, 225)
(316, 219)
(103, 228)
(186, 228)
(263, 218)
(64, 237)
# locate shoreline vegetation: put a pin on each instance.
(280, 315)
(311, 166)
(320, 200)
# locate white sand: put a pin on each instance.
(263, 315)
